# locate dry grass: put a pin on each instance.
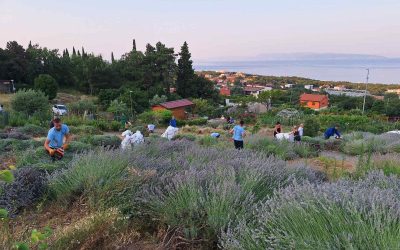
(77, 227)
(5, 99)
(70, 97)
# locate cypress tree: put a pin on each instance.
(134, 45)
(30, 45)
(83, 52)
(112, 57)
(66, 52)
(79, 53)
(185, 73)
(73, 51)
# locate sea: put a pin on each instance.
(380, 71)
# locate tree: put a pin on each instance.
(47, 84)
(29, 102)
(134, 45)
(112, 58)
(118, 108)
(185, 73)
(158, 99)
(202, 107)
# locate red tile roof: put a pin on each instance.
(225, 91)
(177, 104)
(312, 97)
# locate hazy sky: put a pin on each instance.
(213, 28)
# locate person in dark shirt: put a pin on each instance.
(331, 132)
(172, 123)
(278, 129)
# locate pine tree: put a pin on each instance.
(134, 45)
(185, 73)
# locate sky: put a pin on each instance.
(214, 29)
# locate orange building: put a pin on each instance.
(312, 101)
(225, 91)
(179, 108)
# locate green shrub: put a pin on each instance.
(188, 137)
(74, 120)
(33, 130)
(207, 141)
(102, 140)
(79, 107)
(46, 84)
(115, 126)
(84, 130)
(18, 119)
(76, 146)
(155, 117)
(311, 126)
(102, 125)
(281, 149)
(29, 102)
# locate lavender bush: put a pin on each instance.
(389, 163)
(359, 143)
(95, 175)
(199, 191)
(282, 149)
(28, 186)
(343, 215)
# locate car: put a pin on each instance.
(59, 109)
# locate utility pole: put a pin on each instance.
(365, 93)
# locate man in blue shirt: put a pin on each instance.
(54, 143)
(238, 134)
(172, 123)
(331, 132)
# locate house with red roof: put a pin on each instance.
(179, 108)
(225, 91)
(313, 101)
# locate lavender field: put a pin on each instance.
(185, 194)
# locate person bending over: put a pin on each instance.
(331, 132)
(54, 143)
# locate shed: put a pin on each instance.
(6, 86)
(179, 108)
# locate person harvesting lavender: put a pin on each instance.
(238, 134)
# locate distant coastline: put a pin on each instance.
(382, 70)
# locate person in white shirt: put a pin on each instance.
(301, 130)
(151, 127)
